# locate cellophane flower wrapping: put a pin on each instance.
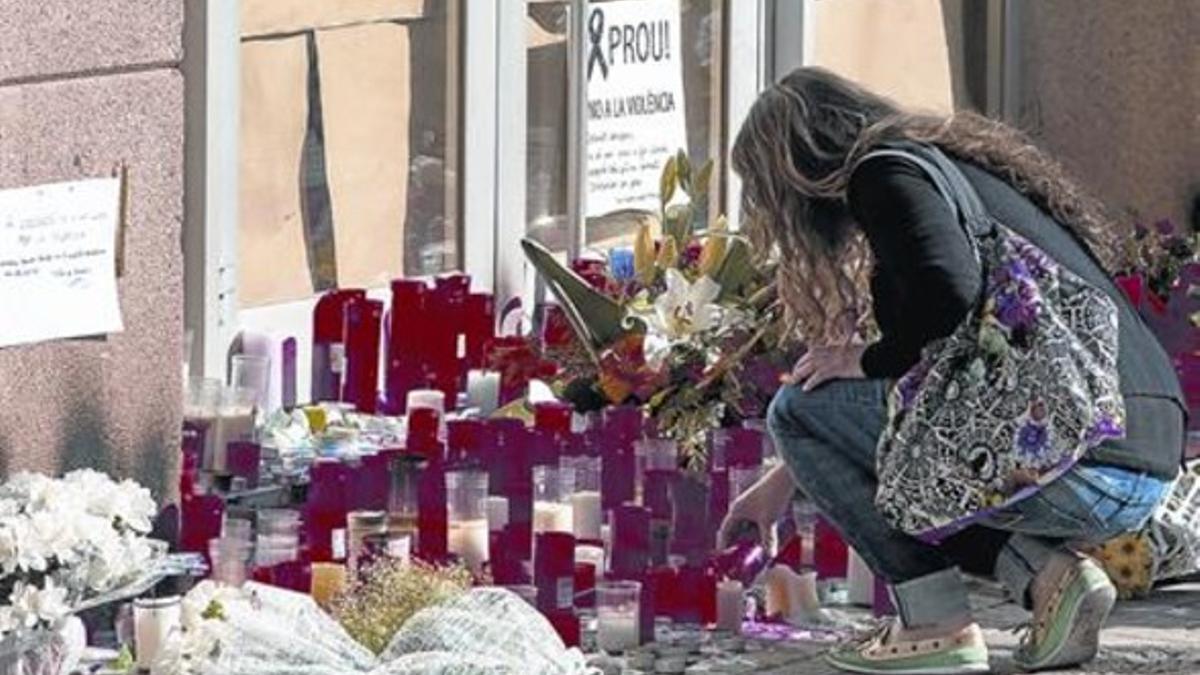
(262, 630)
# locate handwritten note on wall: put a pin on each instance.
(57, 261)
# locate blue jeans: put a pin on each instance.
(828, 439)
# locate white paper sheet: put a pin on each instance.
(57, 261)
(636, 116)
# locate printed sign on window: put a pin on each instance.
(635, 101)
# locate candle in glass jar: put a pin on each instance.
(469, 540)
(617, 607)
(154, 620)
(861, 581)
(497, 512)
(731, 605)
(483, 390)
(328, 580)
(553, 517)
(586, 514)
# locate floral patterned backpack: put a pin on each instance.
(1014, 397)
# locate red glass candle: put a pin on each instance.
(480, 326)
(585, 585)
(832, 556)
(514, 467)
(407, 339)
(326, 508)
(554, 570)
(373, 481)
(666, 583)
(464, 446)
(689, 517)
(361, 335)
(295, 576)
(630, 542)
(328, 349)
(448, 313)
(566, 624)
(508, 567)
(200, 521)
(718, 502)
(656, 496)
(742, 562)
(433, 520)
(692, 585)
(553, 417)
(242, 459)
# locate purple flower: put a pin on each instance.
(1165, 227)
(1016, 312)
(1033, 439)
(1104, 428)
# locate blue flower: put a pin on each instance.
(620, 264)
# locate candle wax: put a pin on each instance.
(469, 540)
(553, 517)
(586, 514)
(617, 632)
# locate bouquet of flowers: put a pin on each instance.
(686, 323)
(66, 542)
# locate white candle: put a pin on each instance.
(803, 594)
(587, 553)
(731, 605)
(496, 509)
(776, 582)
(587, 515)
(469, 540)
(861, 581)
(483, 390)
(154, 620)
(553, 517)
(617, 632)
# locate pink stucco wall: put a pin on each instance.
(85, 87)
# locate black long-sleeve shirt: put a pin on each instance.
(926, 281)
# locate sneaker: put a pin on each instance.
(1065, 630)
(962, 653)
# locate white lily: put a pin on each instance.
(686, 308)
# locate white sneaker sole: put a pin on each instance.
(1083, 642)
(977, 669)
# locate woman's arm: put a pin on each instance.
(922, 256)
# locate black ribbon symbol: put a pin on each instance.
(596, 35)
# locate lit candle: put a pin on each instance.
(154, 620)
(483, 390)
(618, 604)
(861, 581)
(617, 632)
(497, 512)
(553, 517)
(328, 579)
(469, 540)
(731, 605)
(803, 594)
(586, 514)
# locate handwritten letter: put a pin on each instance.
(57, 261)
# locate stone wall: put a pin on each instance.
(1113, 88)
(86, 87)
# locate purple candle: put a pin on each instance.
(361, 335)
(657, 498)
(463, 443)
(718, 503)
(690, 517)
(516, 475)
(406, 343)
(326, 508)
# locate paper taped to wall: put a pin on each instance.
(57, 261)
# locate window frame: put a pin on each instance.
(492, 62)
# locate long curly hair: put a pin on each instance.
(795, 153)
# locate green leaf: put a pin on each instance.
(736, 270)
(667, 183)
(678, 224)
(683, 168)
(598, 320)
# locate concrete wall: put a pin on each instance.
(1113, 88)
(84, 87)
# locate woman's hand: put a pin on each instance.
(761, 505)
(823, 364)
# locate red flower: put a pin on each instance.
(624, 372)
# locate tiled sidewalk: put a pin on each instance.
(1160, 634)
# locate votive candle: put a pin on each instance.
(617, 608)
(154, 620)
(731, 605)
(496, 508)
(483, 390)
